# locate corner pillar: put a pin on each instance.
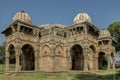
(85, 61)
(96, 62)
(113, 64)
(108, 61)
(68, 60)
(36, 61)
(7, 62)
(17, 51)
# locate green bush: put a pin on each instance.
(2, 69)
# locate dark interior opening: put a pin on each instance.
(77, 58)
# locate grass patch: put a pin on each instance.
(100, 75)
(64, 76)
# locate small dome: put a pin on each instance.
(23, 16)
(104, 34)
(82, 17)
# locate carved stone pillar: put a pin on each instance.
(108, 61)
(96, 62)
(53, 59)
(7, 61)
(13, 29)
(69, 62)
(85, 61)
(36, 61)
(113, 64)
(17, 52)
(18, 28)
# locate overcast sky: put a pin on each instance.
(102, 12)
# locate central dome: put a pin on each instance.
(82, 17)
(22, 16)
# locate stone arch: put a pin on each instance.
(77, 57)
(91, 57)
(12, 57)
(59, 50)
(102, 61)
(45, 58)
(59, 58)
(92, 47)
(27, 57)
(45, 50)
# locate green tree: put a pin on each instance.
(114, 29)
(2, 48)
(2, 53)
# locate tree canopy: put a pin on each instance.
(2, 48)
(114, 29)
(2, 53)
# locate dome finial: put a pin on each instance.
(22, 11)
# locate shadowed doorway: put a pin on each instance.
(27, 58)
(77, 58)
(12, 58)
(102, 61)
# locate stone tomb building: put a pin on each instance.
(55, 47)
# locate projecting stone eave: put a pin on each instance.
(18, 21)
(27, 23)
(7, 27)
(93, 26)
(87, 23)
(106, 38)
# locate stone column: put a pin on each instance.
(108, 61)
(53, 59)
(13, 29)
(17, 52)
(113, 64)
(18, 28)
(96, 62)
(68, 60)
(36, 61)
(85, 64)
(7, 61)
(85, 60)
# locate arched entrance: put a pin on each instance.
(12, 58)
(91, 58)
(102, 61)
(27, 59)
(77, 58)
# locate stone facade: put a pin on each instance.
(55, 47)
